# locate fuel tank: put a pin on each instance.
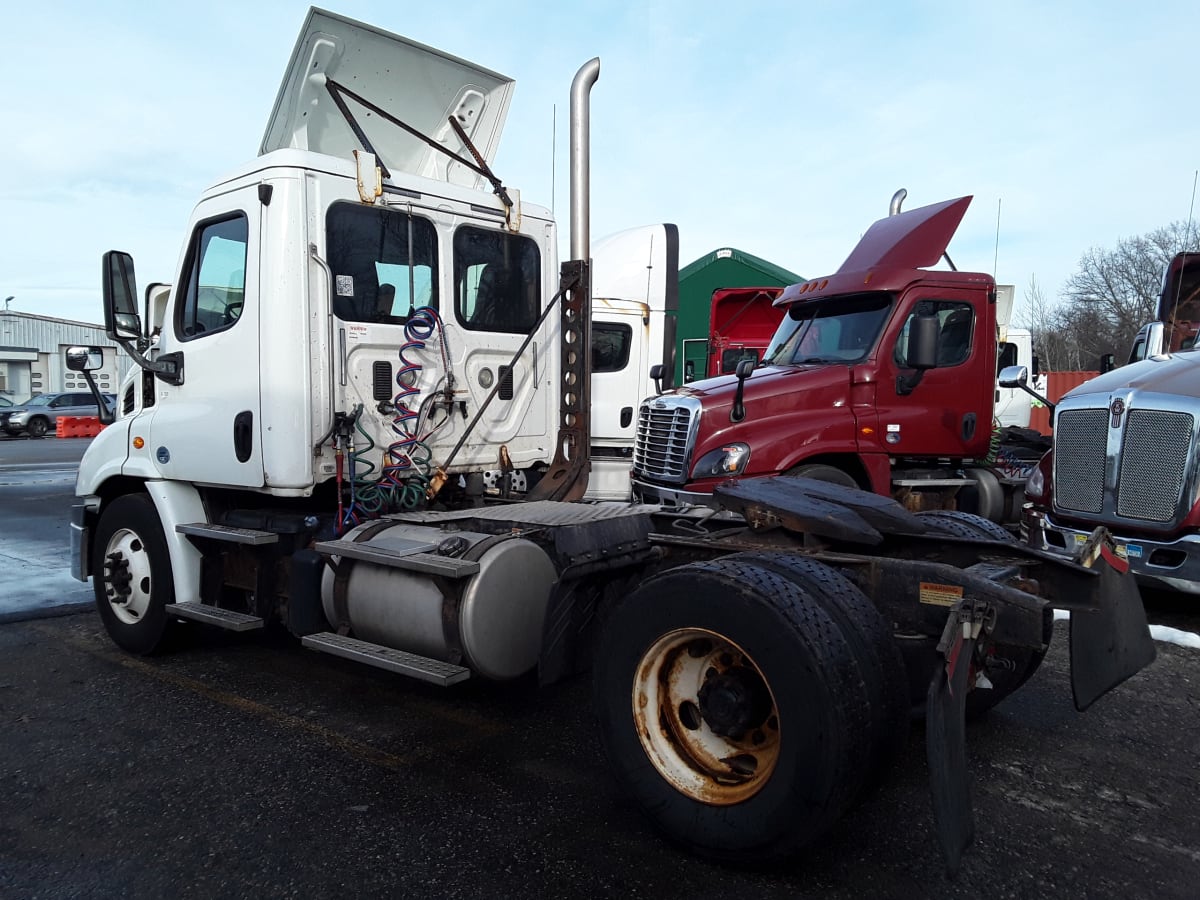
(490, 622)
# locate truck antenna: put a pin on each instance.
(996, 258)
(553, 149)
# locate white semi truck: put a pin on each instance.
(302, 445)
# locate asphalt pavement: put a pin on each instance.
(247, 766)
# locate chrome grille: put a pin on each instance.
(1154, 457)
(1080, 442)
(660, 449)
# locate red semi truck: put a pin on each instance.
(880, 376)
(741, 323)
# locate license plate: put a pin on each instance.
(1125, 550)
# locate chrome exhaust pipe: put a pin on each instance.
(581, 116)
(897, 199)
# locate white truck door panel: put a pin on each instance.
(207, 430)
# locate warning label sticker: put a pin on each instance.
(940, 594)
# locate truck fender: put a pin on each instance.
(179, 503)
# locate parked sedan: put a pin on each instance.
(40, 414)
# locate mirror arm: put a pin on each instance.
(103, 413)
(906, 383)
(1032, 393)
(168, 366)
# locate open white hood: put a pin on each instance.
(418, 85)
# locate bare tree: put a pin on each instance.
(1116, 291)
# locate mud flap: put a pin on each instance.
(946, 743)
(1111, 642)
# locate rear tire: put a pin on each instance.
(870, 637)
(1019, 662)
(131, 574)
(969, 525)
(731, 707)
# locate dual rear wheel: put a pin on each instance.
(746, 702)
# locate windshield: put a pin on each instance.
(40, 400)
(838, 330)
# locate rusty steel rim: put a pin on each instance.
(127, 576)
(706, 716)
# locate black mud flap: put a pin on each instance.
(946, 748)
(1111, 642)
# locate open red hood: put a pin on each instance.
(908, 240)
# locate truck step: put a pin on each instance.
(212, 615)
(412, 559)
(227, 533)
(432, 670)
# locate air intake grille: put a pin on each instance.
(1154, 457)
(1080, 443)
(661, 447)
(381, 380)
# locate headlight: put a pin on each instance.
(728, 460)
(1035, 484)
(18, 418)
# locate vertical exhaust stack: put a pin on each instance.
(581, 89)
(897, 200)
(567, 476)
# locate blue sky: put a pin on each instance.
(782, 129)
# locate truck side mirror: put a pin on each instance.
(121, 319)
(744, 369)
(1108, 362)
(1018, 377)
(1013, 377)
(656, 373)
(88, 360)
(1037, 366)
(689, 371)
(922, 354)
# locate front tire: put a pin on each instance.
(132, 574)
(37, 427)
(731, 707)
(820, 472)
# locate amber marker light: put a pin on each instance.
(868, 430)
(138, 443)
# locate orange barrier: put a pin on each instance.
(1057, 384)
(77, 426)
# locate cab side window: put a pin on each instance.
(214, 279)
(610, 346)
(956, 328)
(384, 263)
(497, 280)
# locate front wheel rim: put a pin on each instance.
(127, 580)
(706, 717)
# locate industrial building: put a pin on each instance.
(33, 356)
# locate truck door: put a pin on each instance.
(949, 413)
(1013, 405)
(207, 429)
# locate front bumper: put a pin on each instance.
(1174, 565)
(645, 492)
(80, 542)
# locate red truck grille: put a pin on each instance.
(661, 449)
